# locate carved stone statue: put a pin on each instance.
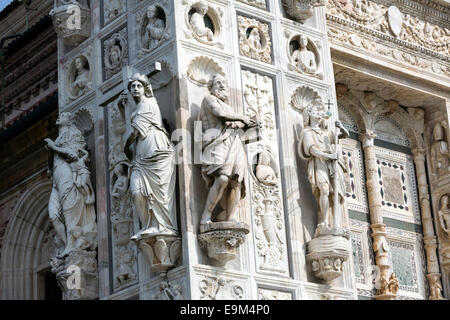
(264, 172)
(304, 59)
(81, 82)
(71, 206)
(154, 31)
(435, 287)
(319, 146)
(440, 160)
(223, 166)
(197, 21)
(255, 39)
(152, 180)
(444, 215)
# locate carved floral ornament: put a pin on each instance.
(153, 27)
(254, 39)
(304, 55)
(79, 76)
(203, 22)
(389, 20)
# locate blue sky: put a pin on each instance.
(4, 3)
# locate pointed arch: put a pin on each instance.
(24, 238)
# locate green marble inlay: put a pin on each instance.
(364, 298)
(401, 260)
(407, 226)
(360, 216)
(392, 146)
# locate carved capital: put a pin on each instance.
(367, 139)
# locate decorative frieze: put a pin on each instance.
(268, 294)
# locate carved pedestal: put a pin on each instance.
(327, 254)
(161, 251)
(302, 9)
(77, 275)
(72, 23)
(221, 240)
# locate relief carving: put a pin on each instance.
(266, 205)
(391, 21)
(213, 288)
(254, 39)
(256, 3)
(153, 28)
(115, 54)
(440, 158)
(203, 22)
(113, 9)
(79, 77)
(304, 56)
(444, 215)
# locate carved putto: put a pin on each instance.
(115, 53)
(153, 28)
(79, 77)
(301, 10)
(254, 39)
(204, 22)
(304, 56)
(440, 157)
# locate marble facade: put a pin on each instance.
(277, 77)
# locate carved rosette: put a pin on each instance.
(301, 10)
(77, 275)
(161, 251)
(254, 39)
(222, 239)
(72, 23)
(326, 256)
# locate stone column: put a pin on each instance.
(380, 245)
(429, 237)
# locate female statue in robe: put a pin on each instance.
(152, 180)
